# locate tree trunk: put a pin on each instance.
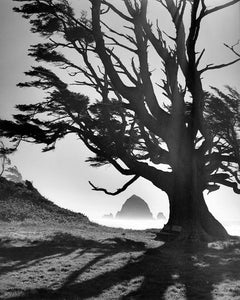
(189, 215)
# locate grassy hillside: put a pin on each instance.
(22, 202)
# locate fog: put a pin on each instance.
(232, 227)
(139, 224)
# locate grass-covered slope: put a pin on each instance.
(22, 202)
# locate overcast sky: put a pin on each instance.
(62, 175)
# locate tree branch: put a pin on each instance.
(118, 191)
(212, 10)
(200, 56)
(122, 66)
(220, 157)
(118, 12)
(232, 48)
(177, 13)
(210, 67)
(132, 94)
(230, 184)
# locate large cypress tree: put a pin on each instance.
(194, 133)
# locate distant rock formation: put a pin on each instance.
(160, 216)
(134, 208)
(13, 174)
(108, 216)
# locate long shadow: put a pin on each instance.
(189, 270)
(172, 271)
(61, 244)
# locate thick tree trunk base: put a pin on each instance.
(209, 231)
(190, 218)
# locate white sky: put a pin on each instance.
(62, 175)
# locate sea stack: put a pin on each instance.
(134, 208)
(108, 216)
(160, 216)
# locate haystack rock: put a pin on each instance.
(160, 216)
(134, 208)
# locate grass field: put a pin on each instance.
(86, 261)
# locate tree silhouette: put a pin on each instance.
(143, 120)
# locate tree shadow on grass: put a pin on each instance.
(191, 271)
(60, 244)
(14, 258)
(31, 253)
(172, 271)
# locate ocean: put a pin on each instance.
(232, 227)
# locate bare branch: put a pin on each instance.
(115, 42)
(118, 191)
(232, 48)
(125, 36)
(64, 45)
(135, 71)
(211, 67)
(177, 13)
(118, 12)
(200, 56)
(212, 10)
(122, 66)
(163, 4)
(203, 5)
